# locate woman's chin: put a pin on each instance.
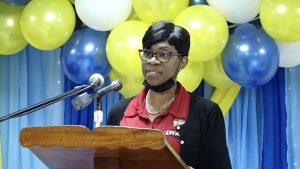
(153, 82)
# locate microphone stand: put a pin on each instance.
(98, 113)
(45, 103)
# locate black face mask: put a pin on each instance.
(162, 87)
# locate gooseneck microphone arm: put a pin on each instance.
(45, 103)
(95, 81)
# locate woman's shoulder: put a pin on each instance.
(203, 105)
(117, 111)
(199, 100)
(121, 105)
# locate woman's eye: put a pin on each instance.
(165, 54)
(147, 54)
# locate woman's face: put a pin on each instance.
(156, 72)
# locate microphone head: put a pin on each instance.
(96, 80)
(114, 86)
(117, 85)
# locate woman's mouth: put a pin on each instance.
(152, 73)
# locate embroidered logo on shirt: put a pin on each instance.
(178, 122)
(172, 133)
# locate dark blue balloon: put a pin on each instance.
(16, 2)
(195, 2)
(251, 57)
(85, 54)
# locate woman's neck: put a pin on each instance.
(156, 100)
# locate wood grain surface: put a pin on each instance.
(75, 147)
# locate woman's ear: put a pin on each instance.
(184, 62)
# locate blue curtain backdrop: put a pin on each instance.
(256, 126)
(27, 78)
(292, 99)
(244, 125)
(275, 142)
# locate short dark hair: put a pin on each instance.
(164, 30)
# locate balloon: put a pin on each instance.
(289, 53)
(133, 16)
(48, 24)
(225, 97)
(103, 15)
(84, 54)
(281, 19)
(190, 77)
(208, 30)
(215, 75)
(238, 11)
(131, 85)
(151, 11)
(251, 57)
(15, 2)
(11, 37)
(196, 2)
(122, 47)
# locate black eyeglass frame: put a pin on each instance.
(154, 54)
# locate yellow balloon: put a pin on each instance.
(122, 47)
(131, 85)
(281, 19)
(225, 97)
(208, 29)
(191, 76)
(11, 37)
(48, 24)
(133, 16)
(151, 11)
(215, 75)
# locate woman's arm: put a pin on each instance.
(218, 151)
(117, 111)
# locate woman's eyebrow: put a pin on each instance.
(164, 47)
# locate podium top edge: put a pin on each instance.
(111, 137)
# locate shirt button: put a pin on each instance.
(178, 127)
(181, 142)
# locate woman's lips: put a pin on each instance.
(152, 73)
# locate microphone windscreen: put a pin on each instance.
(96, 80)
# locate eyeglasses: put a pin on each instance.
(162, 56)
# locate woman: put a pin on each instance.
(194, 126)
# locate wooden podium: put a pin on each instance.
(75, 147)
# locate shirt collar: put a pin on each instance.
(179, 108)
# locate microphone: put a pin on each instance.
(96, 80)
(85, 99)
(114, 86)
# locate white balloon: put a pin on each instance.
(289, 53)
(103, 15)
(237, 11)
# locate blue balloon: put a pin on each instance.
(195, 2)
(16, 2)
(251, 57)
(85, 54)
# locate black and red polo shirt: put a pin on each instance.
(169, 121)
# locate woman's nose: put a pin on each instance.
(153, 60)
